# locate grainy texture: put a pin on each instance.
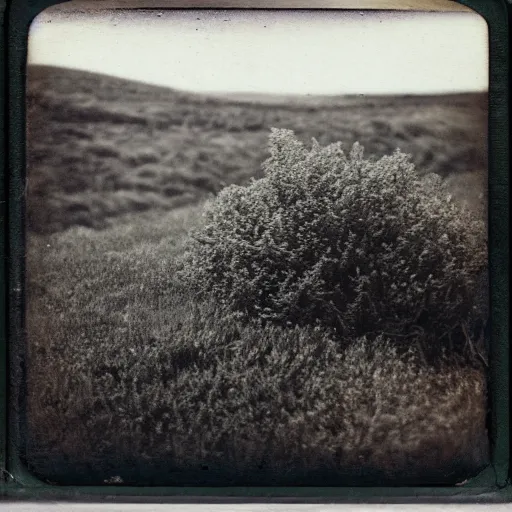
(334, 239)
(99, 147)
(421, 5)
(133, 379)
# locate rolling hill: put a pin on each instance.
(115, 377)
(99, 147)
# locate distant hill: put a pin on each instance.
(100, 146)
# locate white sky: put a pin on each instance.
(282, 52)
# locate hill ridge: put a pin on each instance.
(39, 72)
(101, 146)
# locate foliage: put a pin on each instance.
(125, 365)
(354, 245)
(129, 370)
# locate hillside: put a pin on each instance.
(100, 147)
(130, 374)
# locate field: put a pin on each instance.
(133, 381)
(101, 147)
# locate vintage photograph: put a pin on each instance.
(256, 247)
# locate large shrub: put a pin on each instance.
(335, 239)
(130, 377)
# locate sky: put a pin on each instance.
(277, 52)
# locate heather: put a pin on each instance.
(188, 392)
(188, 324)
(360, 246)
(133, 375)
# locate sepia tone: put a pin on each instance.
(198, 311)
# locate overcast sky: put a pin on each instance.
(285, 52)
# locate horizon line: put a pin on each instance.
(217, 93)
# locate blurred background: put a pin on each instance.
(134, 118)
(148, 109)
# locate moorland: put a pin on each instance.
(130, 378)
(100, 146)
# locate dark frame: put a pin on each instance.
(492, 485)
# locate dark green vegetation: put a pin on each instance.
(131, 376)
(100, 146)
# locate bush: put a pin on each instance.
(130, 375)
(355, 245)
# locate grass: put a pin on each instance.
(100, 147)
(126, 370)
(131, 379)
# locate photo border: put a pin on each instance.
(492, 485)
